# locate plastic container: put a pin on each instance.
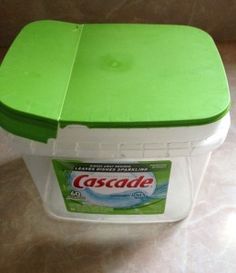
(116, 123)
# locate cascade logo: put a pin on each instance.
(114, 181)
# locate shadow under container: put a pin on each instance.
(115, 122)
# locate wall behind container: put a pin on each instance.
(216, 17)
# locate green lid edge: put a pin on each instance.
(41, 129)
(27, 126)
(147, 124)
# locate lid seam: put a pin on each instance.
(71, 71)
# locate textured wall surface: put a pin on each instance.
(216, 17)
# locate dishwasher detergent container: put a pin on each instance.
(115, 122)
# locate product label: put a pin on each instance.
(114, 188)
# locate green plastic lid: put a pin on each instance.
(110, 75)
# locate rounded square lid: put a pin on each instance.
(110, 75)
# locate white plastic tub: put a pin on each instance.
(116, 122)
(188, 149)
